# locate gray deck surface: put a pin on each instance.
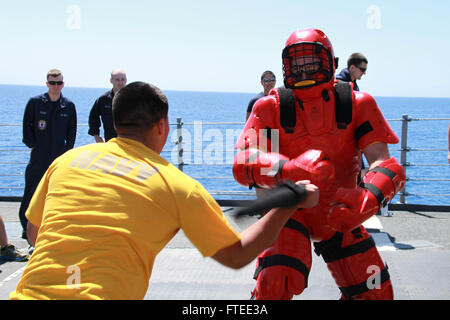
(415, 245)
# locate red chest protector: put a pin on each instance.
(318, 140)
(325, 123)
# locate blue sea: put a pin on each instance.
(208, 146)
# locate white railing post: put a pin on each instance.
(179, 143)
(404, 152)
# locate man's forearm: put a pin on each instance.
(255, 239)
(263, 233)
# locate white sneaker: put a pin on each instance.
(385, 213)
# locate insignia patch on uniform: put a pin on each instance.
(42, 124)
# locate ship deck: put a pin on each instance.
(415, 245)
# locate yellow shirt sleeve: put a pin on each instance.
(204, 224)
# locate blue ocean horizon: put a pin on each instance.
(217, 140)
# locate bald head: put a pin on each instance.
(118, 79)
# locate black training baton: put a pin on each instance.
(285, 195)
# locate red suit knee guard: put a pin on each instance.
(356, 266)
(379, 186)
(282, 269)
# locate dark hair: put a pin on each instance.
(139, 106)
(267, 72)
(356, 59)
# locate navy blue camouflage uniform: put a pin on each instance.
(49, 129)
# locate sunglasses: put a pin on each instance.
(362, 69)
(52, 83)
(269, 80)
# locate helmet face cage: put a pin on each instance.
(307, 62)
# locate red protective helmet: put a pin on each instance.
(308, 59)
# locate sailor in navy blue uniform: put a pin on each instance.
(49, 129)
(102, 109)
(268, 81)
(356, 68)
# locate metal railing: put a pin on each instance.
(405, 149)
(177, 150)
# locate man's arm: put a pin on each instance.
(32, 232)
(384, 179)
(94, 122)
(28, 126)
(98, 138)
(376, 153)
(72, 130)
(261, 234)
(250, 107)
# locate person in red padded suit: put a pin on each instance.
(323, 144)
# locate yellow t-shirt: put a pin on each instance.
(104, 211)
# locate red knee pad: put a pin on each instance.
(356, 266)
(283, 269)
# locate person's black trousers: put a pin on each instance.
(33, 175)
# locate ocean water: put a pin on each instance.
(208, 146)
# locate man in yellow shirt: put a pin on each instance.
(102, 212)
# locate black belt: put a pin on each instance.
(362, 287)
(349, 251)
(293, 224)
(331, 249)
(282, 260)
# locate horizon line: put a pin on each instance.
(215, 91)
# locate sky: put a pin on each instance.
(209, 45)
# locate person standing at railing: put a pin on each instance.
(49, 129)
(268, 81)
(104, 211)
(356, 68)
(102, 109)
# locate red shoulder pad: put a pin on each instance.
(262, 117)
(371, 126)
